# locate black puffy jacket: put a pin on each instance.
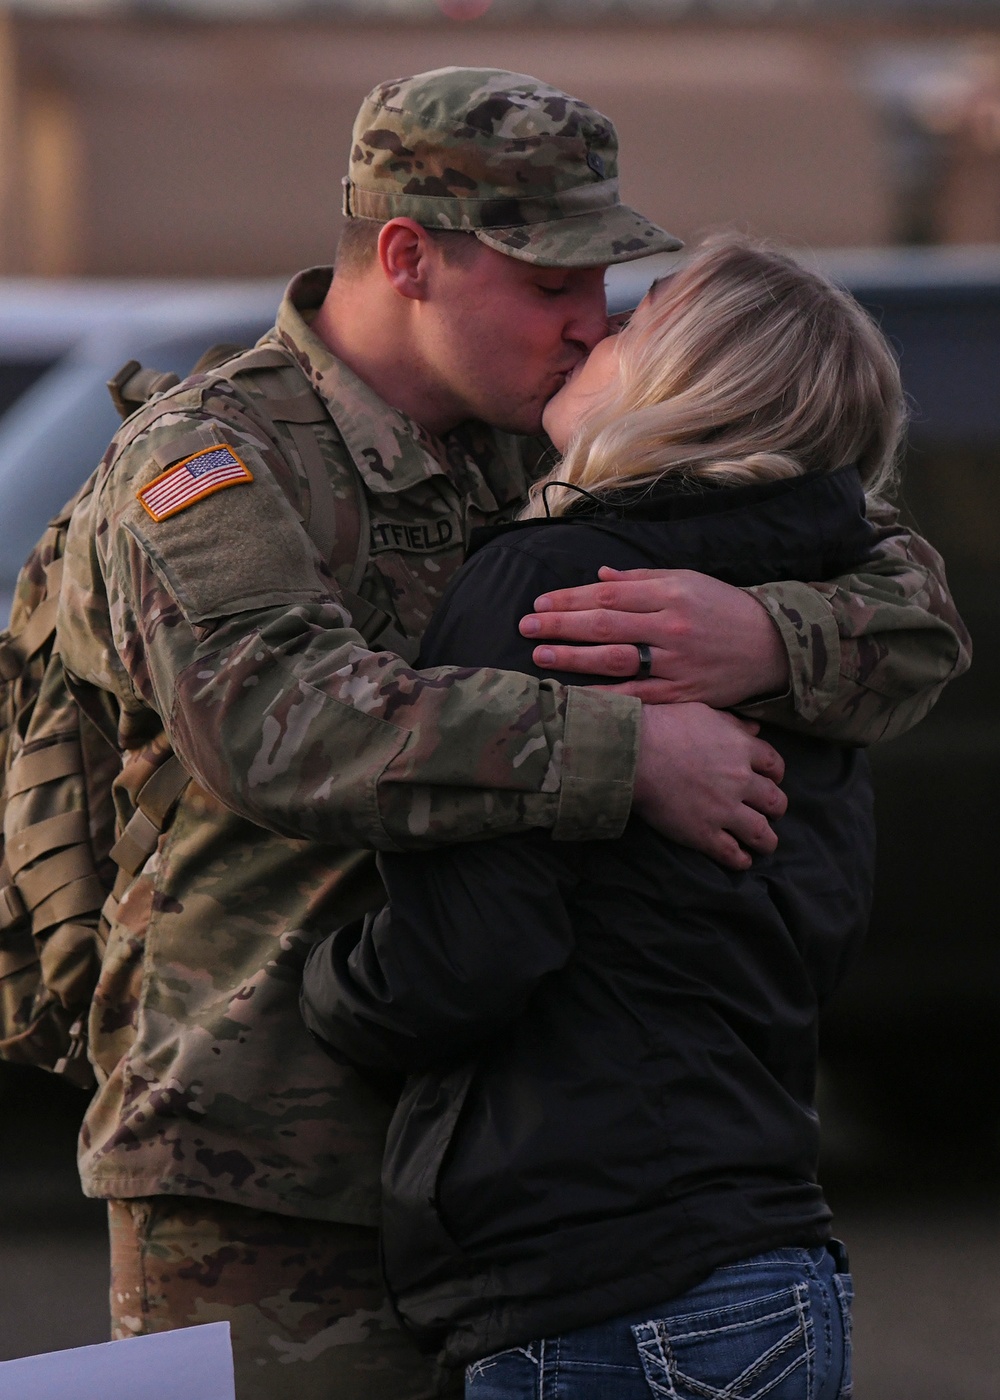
(610, 1046)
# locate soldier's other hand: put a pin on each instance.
(704, 779)
(707, 640)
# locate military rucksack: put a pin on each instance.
(63, 867)
(58, 829)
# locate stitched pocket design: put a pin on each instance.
(512, 1366)
(745, 1351)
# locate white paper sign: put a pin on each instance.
(193, 1363)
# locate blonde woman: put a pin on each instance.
(601, 1176)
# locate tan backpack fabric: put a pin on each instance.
(57, 768)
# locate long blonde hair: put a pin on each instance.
(743, 366)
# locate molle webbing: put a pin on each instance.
(51, 890)
(18, 649)
(67, 829)
(50, 858)
(155, 802)
(49, 906)
(30, 770)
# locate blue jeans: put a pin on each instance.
(777, 1326)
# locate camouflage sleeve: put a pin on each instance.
(227, 624)
(870, 652)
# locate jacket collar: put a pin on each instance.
(679, 497)
(811, 526)
(392, 453)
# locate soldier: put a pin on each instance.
(262, 551)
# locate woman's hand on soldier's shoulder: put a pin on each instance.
(707, 640)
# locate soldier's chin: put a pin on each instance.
(525, 420)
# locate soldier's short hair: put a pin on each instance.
(357, 249)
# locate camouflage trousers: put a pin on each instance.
(304, 1298)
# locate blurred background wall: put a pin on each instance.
(153, 140)
(207, 140)
(138, 147)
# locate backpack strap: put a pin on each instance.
(300, 413)
(134, 386)
(155, 802)
(342, 538)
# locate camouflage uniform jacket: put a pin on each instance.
(219, 631)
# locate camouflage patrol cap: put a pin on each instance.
(530, 170)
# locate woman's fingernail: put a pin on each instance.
(543, 604)
(544, 656)
(529, 626)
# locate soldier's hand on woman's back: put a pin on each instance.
(704, 779)
(708, 641)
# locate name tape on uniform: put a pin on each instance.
(196, 477)
(421, 538)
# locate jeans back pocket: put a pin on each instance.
(742, 1351)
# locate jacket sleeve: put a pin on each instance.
(869, 652)
(227, 625)
(468, 934)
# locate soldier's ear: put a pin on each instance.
(404, 255)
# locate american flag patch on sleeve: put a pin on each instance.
(192, 479)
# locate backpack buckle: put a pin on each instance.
(74, 1065)
(134, 386)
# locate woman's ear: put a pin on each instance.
(403, 253)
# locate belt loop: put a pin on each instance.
(840, 1258)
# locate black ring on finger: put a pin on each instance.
(645, 662)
